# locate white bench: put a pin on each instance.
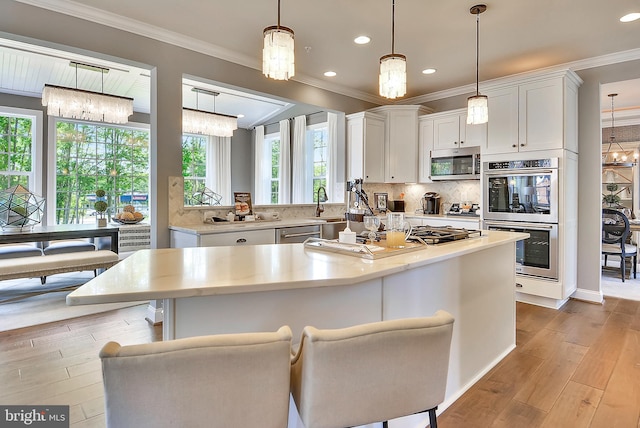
(42, 266)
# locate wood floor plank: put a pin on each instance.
(518, 414)
(546, 384)
(597, 365)
(620, 405)
(575, 407)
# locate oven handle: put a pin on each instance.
(520, 171)
(515, 225)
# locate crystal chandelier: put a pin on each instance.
(196, 121)
(393, 67)
(278, 57)
(614, 158)
(74, 103)
(477, 105)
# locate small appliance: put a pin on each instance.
(431, 203)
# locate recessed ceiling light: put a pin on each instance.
(240, 115)
(362, 40)
(630, 17)
(330, 73)
(428, 71)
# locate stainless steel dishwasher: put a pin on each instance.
(293, 234)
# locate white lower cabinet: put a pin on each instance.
(250, 237)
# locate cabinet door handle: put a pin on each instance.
(241, 241)
(518, 285)
(461, 142)
(522, 144)
(514, 145)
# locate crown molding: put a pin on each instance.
(109, 19)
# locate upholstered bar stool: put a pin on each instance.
(372, 372)
(221, 381)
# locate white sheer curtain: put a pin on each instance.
(299, 177)
(284, 195)
(262, 191)
(332, 159)
(219, 167)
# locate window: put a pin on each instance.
(272, 144)
(317, 142)
(194, 165)
(90, 157)
(18, 148)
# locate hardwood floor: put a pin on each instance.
(576, 367)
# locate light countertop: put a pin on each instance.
(190, 272)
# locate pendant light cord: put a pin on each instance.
(477, 53)
(278, 13)
(393, 26)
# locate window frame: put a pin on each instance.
(37, 144)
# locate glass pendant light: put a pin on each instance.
(278, 58)
(477, 105)
(393, 67)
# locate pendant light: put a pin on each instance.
(278, 57)
(477, 105)
(74, 103)
(393, 67)
(207, 123)
(616, 159)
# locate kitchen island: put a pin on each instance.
(260, 288)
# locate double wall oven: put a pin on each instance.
(522, 196)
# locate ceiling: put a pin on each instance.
(516, 36)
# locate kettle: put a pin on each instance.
(431, 203)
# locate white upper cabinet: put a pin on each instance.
(383, 144)
(452, 132)
(365, 142)
(540, 114)
(425, 146)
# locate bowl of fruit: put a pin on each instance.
(129, 215)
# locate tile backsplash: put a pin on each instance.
(450, 192)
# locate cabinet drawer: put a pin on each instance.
(250, 237)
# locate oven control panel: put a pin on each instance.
(523, 164)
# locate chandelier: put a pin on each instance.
(74, 103)
(615, 158)
(477, 105)
(278, 57)
(393, 67)
(196, 121)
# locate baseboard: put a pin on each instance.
(545, 302)
(588, 295)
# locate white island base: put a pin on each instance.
(478, 292)
(214, 290)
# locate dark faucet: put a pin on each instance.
(320, 210)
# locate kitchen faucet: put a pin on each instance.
(320, 210)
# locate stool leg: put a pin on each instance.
(623, 267)
(433, 423)
(43, 279)
(385, 424)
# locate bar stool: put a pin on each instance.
(220, 381)
(372, 372)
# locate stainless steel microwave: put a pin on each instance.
(455, 164)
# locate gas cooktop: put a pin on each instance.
(440, 235)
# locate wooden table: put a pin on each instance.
(62, 231)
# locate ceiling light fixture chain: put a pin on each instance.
(477, 105)
(393, 67)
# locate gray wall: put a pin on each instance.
(167, 64)
(589, 169)
(242, 161)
